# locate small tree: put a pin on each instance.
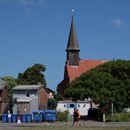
(52, 103)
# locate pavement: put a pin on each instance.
(15, 126)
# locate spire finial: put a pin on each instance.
(73, 12)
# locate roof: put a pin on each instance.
(72, 41)
(50, 90)
(26, 87)
(2, 84)
(84, 65)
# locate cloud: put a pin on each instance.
(30, 2)
(118, 22)
(27, 4)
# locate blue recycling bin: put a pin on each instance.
(9, 119)
(38, 115)
(29, 117)
(4, 118)
(14, 117)
(50, 115)
(23, 118)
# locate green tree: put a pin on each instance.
(32, 75)
(52, 103)
(11, 82)
(106, 84)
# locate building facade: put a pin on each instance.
(27, 98)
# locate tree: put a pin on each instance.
(52, 103)
(32, 75)
(11, 82)
(106, 84)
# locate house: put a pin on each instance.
(74, 66)
(4, 99)
(82, 106)
(29, 97)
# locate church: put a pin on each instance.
(74, 66)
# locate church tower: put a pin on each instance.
(72, 47)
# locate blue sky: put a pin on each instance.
(36, 31)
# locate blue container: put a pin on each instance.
(4, 118)
(23, 118)
(50, 115)
(38, 115)
(29, 117)
(9, 119)
(14, 117)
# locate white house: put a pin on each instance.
(83, 106)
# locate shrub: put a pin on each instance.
(52, 104)
(62, 116)
(118, 117)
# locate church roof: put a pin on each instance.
(72, 41)
(84, 65)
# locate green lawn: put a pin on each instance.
(72, 128)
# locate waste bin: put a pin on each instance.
(38, 115)
(14, 117)
(4, 118)
(23, 118)
(50, 115)
(9, 118)
(29, 117)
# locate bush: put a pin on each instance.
(62, 116)
(52, 104)
(118, 117)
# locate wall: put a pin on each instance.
(82, 106)
(42, 98)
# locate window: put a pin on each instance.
(71, 105)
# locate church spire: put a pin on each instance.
(72, 41)
(72, 47)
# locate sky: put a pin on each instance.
(36, 31)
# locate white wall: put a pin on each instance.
(82, 106)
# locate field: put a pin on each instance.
(62, 128)
(66, 126)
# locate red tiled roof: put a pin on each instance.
(84, 65)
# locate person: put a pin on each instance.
(19, 118)
(75, 115)
(78, 117)
(9, 116)
(25, 110)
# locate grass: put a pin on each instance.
(118, 117)
(24, 127)
(71, 128)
